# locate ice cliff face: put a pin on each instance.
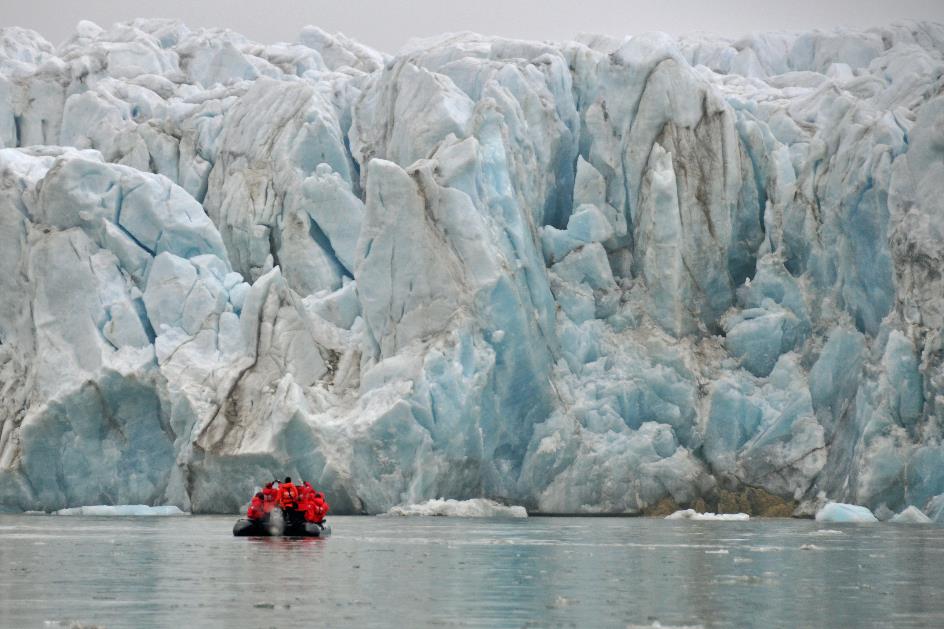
(592, 276)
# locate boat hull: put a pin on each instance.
(272, 528)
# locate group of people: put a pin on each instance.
(295, 502)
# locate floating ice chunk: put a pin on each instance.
(123, 510)
(911, 515)
(473, 508)
(842, 513)
(691, 514)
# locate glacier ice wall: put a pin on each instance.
(593, 276)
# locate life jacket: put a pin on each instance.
(305, 495)
(269, 497)
(310, 515)
(317, 509)
(256, 509)
(288, 495)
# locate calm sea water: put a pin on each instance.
(419, 572)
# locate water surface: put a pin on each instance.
(418, 572)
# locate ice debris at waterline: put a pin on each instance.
(473, 508)
(691, 514)
(123, 510)
(839, 512)
(587, 276)
(911, 515)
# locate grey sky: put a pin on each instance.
(387, 24)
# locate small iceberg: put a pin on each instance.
(474, 508)
(124, 510)
(911, 515)
(691, 514)
(841, 512)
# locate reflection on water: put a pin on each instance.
(582, 572)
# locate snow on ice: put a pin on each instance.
(691, 514)
(122, 510)
(911, 515)
(472, 508)
(844, 513)
(588, 276)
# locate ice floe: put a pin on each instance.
(691, 514)
(472, 508)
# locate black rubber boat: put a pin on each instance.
(277, 527)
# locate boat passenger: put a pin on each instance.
(269, 497)
(256, 509)
(288, 494)
(318, 508)
(305, 494)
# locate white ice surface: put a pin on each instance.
(911, 515)
(472, 508)
(122, 510)
(691, 514)
(843, 513)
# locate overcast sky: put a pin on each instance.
(387, 24)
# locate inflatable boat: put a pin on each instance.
(276, 527)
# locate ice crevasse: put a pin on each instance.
(602, 275)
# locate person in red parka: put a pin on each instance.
(288, 494)
(256, 509)
(305, 494)
(269, 497)
(317, 508)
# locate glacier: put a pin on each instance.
(599, 276)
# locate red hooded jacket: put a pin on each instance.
(269, 497)
(288, 495)
(317, 508)
(256, 509)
